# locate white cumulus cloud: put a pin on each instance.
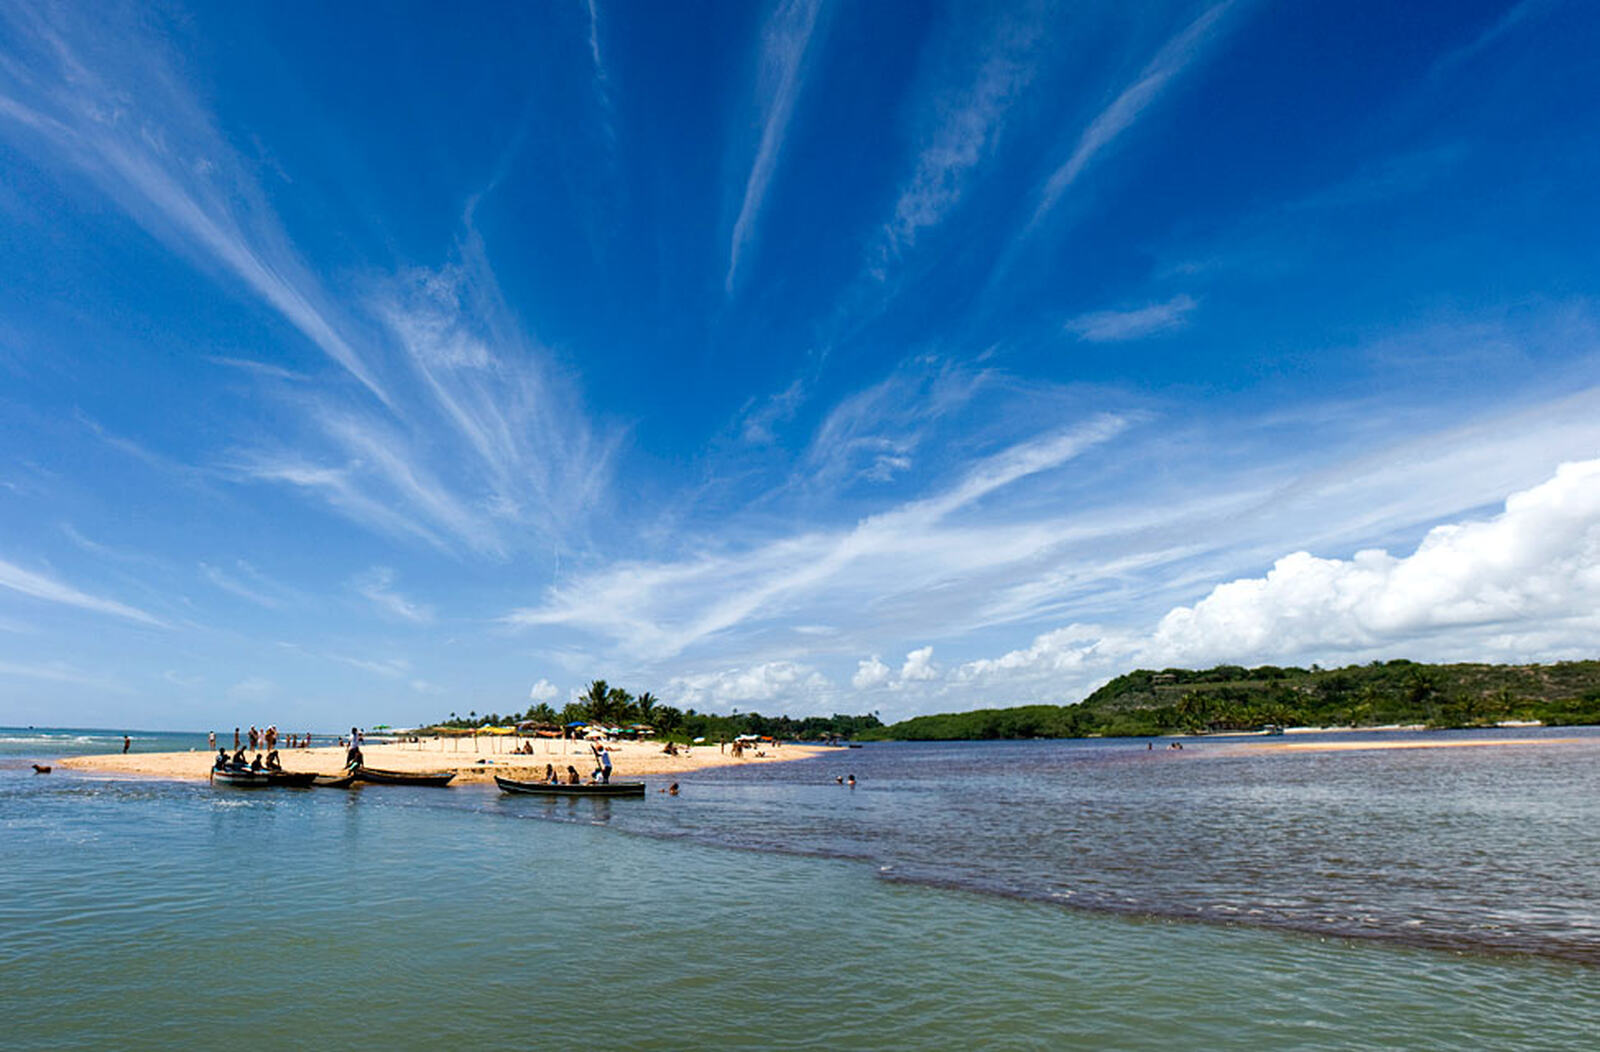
(1521, 585)
(919, 665)
(782, 681)
(870, 673)
(1534, 568)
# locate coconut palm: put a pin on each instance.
(619, 705)
(645, 706)
(596, 700)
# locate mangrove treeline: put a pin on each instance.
(1233, 698)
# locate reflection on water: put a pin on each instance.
(1481, 848)
(151, 915)
(1474, 848)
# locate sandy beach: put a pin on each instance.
(472, 761)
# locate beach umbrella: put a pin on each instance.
(577, 723)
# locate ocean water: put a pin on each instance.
(774, 908)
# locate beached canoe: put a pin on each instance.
(335, 781)
(252, 779)
(382, 777)
(511, 785)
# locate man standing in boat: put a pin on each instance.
(602, 773)
(352, 756)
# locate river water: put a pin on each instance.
(996, 895)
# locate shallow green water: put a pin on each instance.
(153, 915)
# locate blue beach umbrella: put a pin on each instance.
(577, 723)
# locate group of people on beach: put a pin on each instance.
(264, 740)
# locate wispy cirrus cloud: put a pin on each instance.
(377, 586)
(255, 592)
(785, 40)
(659, 610)
(602, 77)
(340, 486)
(50, 590)
(874, 433)
(119, 114)
(758, 417)
(391, 668)
(594, 38)
(1511, 20)
(538, 459)
(493, 446)
(266, 369)
(1115, 326)
(966, 124)
(1172, 60)
(471, 438)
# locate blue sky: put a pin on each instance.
(371, 364)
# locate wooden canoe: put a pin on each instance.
(335, 781)
(511, 785)
(382, 777)
(253, 779)
(243, 778)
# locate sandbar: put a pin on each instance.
(1347, 746)
(473, 761)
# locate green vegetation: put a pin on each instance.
(1231, 698)
(613, 706)
(1172, 701)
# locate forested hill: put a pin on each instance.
(1232, 698)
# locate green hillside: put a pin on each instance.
(1233, 698)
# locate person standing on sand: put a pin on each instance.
(127, 743)
(236, 739)
(211, 739)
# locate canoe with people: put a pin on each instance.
(258, 773)
(558, 788)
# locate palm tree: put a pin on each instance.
(645, 704)
(595, 699)
(1195, 710)
(620, 704)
